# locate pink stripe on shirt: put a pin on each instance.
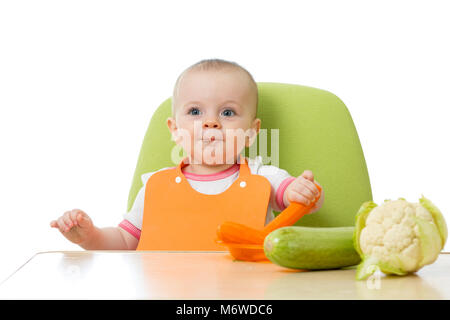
(213, 176)
(280, 192)
(128, 226)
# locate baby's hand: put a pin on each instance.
(75, 225)
(302, 190)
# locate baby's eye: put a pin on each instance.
(195, 110)
(228, 113)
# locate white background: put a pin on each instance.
(80, 80)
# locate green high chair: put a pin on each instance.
(316, 132)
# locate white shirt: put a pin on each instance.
(213, 184)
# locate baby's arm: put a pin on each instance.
(78, 228)
(111, 238)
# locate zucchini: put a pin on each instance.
(311, 248)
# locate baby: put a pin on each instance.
(212, 99)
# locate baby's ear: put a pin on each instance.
(257, 125)
(171, 124)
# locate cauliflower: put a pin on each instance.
(399, 237)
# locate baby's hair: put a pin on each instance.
(215, 65)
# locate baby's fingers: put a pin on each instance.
(67, 218)
(298, 197)
(311, 187)
(303, 189)
(75, 216)
(83, 220)
(60, 224)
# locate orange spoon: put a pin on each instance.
(232, 232)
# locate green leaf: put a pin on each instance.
(370, 264)
(438, 218)
(389, 268)
(430, 241)
(360, 219)
(366, 268)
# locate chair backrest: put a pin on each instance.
(316, 132)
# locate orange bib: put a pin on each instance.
(177, 217)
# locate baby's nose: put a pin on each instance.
(212, 124)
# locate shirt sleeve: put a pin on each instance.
(132, 220)
(279, 180)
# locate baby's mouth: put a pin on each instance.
(211, 136)
(210, 140)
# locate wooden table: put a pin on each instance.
(205, 275)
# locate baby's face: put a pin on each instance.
(214, 116)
